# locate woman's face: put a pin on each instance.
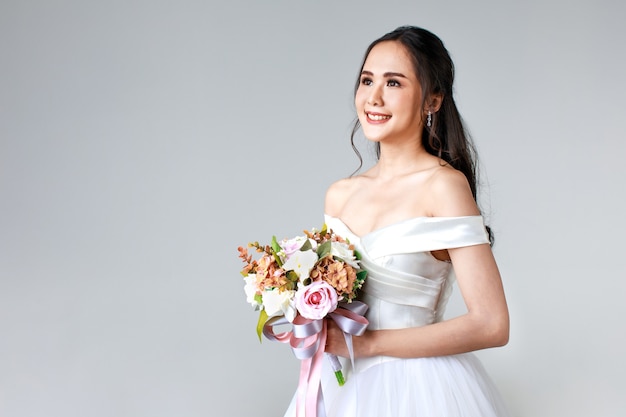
(388, 99)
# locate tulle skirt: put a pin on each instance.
(446, 386)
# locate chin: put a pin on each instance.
(373, 137)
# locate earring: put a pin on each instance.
(429, 119)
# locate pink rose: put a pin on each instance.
(316, 300)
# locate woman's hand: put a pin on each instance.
(336, 342)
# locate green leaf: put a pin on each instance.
(306, 246)
(360, 279)
(258, 298)
(360, 276)
(324, 249)
(259, 327)
(276, 248)
(275, 244)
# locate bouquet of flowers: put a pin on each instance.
(302, 280)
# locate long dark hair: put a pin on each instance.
(447, 137)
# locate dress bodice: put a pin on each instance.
(406, 286)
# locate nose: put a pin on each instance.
(375, 97)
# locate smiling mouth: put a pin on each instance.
(377, 117)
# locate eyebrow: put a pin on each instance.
(386, 75)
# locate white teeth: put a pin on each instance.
(377, 117)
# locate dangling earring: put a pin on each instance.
(429, 119)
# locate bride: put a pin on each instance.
(414, 217)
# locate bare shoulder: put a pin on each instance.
(450, 193)
(338, 193)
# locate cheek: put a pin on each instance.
(359, 99)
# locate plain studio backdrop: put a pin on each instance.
(141, 142)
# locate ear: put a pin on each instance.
(434, 102)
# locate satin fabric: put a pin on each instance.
(407, 286)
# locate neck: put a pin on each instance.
(398, 160)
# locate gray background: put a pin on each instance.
(142, 141)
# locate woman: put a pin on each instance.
(414, 218)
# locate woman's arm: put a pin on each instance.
(486, 323)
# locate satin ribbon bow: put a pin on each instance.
(307, 339)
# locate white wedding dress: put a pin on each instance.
(406, 286)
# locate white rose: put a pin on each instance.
(251, 289)
(342, 251)
(278, 303)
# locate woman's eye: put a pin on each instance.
(393, 83)
(366, 81)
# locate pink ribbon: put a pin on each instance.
(307, 339)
